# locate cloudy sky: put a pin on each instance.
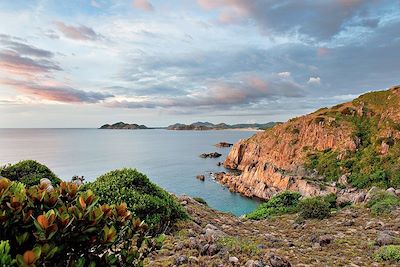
(85, 63)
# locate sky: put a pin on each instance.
(86, 63)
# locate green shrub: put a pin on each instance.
(200, 200)
(146, 200)
(28, 172)
(388, 253)
(314, 208)
(285, 202)
(60, 226)
(331, 200)
(383, 203)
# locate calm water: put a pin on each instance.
(170, 158)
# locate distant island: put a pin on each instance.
(204, 126)
(122, 125)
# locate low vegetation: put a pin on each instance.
(146, 200)
(285, 202)
(28, 172)
(289, 202)
(383, 203)
(200, 200)
(314, 208)
(43, 225)
(389, 253)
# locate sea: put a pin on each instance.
(169, 158)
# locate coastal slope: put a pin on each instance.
(354, 143)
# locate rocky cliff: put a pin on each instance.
(354, 140)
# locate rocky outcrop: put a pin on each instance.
(210, 155)
(273, 160)
(223, 144)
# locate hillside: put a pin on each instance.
(202, 126)
(122, 125)
(354, 143)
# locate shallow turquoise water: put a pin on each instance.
(170, 158)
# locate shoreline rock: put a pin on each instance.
(210, 155)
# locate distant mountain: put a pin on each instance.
(204, 126)
(122, 125)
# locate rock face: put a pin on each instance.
(273, 160)
(122, 125)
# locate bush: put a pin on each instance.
(314, 208)
(383, 203)
(60, 226)
(146, 200)
(200, 200)
(28, 172)
(331, 200)
(388, 253)
(285, 202)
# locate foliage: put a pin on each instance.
(200, 200)
(325, 163)
(314, 208)
(331, 200)
(388, 253)
(28, 172)
(238, 245)
(285, 202)
(145, 199)
(5, 257)
(67, 227)
(383, 203)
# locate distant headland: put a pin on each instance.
(204, 126)
(196, 126)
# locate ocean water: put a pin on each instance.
(169, 158)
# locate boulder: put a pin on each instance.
(233, 260)
(385, 238)
(276, 261)
(200, 177)
(391, 191)
(181, 260)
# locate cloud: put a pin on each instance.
(11, 61)
(143, 4)
(14, 44)
(314, 81)
(82, 32)
(53, 91)
(320, 20)
(222, 94)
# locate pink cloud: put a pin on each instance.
(54, 91)
(77, 33)
(143, 4)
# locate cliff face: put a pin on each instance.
(273, 160)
